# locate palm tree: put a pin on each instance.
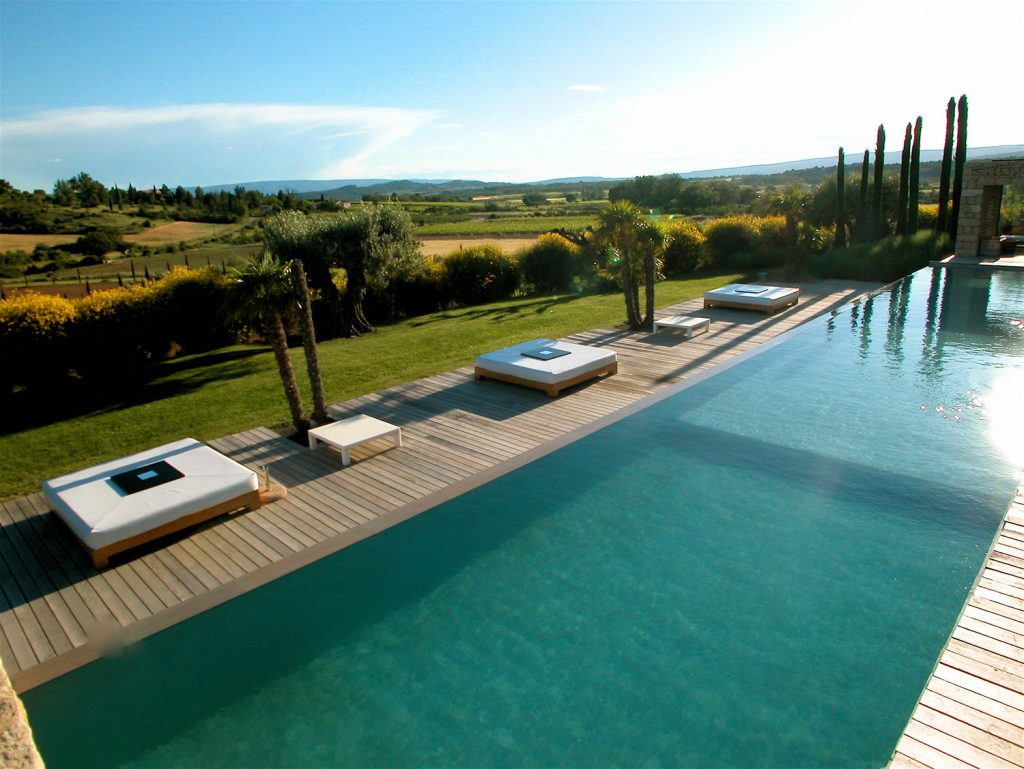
(634, 246)
(316, 380)
(291, 237)
(262, 294)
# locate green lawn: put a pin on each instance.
(225, 391)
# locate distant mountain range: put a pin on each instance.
(354, 189)
(891, 158)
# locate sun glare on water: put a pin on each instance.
(1006, 414)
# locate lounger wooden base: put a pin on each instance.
(551, 389)
(767, 308)
(101, 557)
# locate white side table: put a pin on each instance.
(688, 325)
(348, 433)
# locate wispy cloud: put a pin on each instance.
(587, 88)
(280, 139)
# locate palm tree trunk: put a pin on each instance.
(648, 321)
(631, 293)
(284, 368)
(316, 380)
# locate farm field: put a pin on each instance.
(161, 235)
(433, 246)
(512, 225)
(10, 241)
(178, 231)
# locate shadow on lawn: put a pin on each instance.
(498, 313)
(70, 398)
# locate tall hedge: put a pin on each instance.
(35, 333)
(99, 337)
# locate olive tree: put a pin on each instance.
(372, 244)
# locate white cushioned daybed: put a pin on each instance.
(567, 364)
(135, 499)
(746, 296)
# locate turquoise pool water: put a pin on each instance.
(756, 571)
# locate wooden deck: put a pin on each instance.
(57, 612)
(971, 714)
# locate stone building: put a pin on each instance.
(977, 232)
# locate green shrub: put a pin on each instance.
(733, 238)
(771, 231)
(885, 261)
(100, 242)
(684, 243)
(480, 274)
(417, 291)
(552, 263)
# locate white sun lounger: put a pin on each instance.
(570, 364)
(746, 296)
(182, 484)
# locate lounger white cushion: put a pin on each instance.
(103, 516)
(752, 297)
(511, 365)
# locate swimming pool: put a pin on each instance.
(757, 570)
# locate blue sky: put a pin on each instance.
(202, 93)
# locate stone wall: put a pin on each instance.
(17, 749)
(979, 201)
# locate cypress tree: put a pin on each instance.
(862, 218)
(947, 165)
(901, 212)
(958, 164)
(915, 179)
(841, 201)
(876, 201)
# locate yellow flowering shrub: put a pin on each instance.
(108, 332)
